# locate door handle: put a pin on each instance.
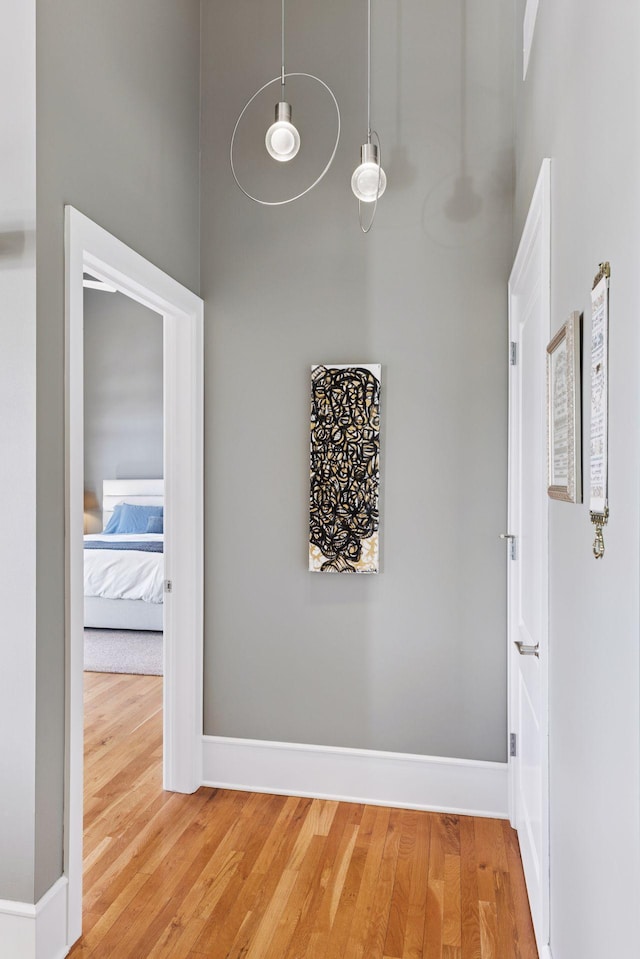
(528, 650)
(511, 539)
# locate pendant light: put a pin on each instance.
(282, 139)
(369, 180)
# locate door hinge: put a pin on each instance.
(513, 739)
(513, 353)
(168, 586)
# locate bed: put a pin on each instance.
(124, 564)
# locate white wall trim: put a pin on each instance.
(462, 786)
(88, 246)
(36, 931)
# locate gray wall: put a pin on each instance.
(580, 106)
(117, 128)
(413, 659)
(123, 418)
(18, 446)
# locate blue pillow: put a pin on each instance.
(155, 524)
(131, 518)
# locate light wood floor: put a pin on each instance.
(231, 875)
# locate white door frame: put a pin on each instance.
(88, 246)
(535, 242)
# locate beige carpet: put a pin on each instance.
(123, 651)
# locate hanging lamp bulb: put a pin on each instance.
(369, 181)
(282, 140)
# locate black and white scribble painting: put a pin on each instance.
(344, 468)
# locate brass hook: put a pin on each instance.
(599, 520)
(598, 543)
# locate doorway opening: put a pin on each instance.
(91, 250)
(123, 482)
(123, 563)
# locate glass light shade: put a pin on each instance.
(369, 180)
(282, 139)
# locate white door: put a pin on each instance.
(527, 552)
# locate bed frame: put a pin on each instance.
(134, 614)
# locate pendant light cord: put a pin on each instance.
(368, 70)
(282, 58)
(365, 227)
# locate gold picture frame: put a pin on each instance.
(564, 446)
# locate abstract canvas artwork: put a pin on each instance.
(344, 468)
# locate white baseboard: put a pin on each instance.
(462, 786)
(37, 931)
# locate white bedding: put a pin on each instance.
(124, 574)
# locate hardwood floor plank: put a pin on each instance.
(452, 916)
(341, 872)
(240, 942)
(283, 912)
(129, 851)
(381, 906)
(364, 903)
(140, 923)
(491, 855)
(214, 881)
(345, 910)
(469, 897)
(507, 933)
(298, 903)
(264, 838)
(313, 907)
(450, 830)
(178, 883)
(394, 945)
(416, 913)
(488, 930)
(328, 908)
(437, 851)
(434, 919)
(96, 936)
(272, 915)
(232, 875)
(176, 940)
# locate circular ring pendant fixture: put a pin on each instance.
(282, 138)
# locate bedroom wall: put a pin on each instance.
(586, 65)
(117, 125)
(123, 419)
(413, 659)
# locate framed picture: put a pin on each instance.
(344, 468)
(598, 439)
(564, 448)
